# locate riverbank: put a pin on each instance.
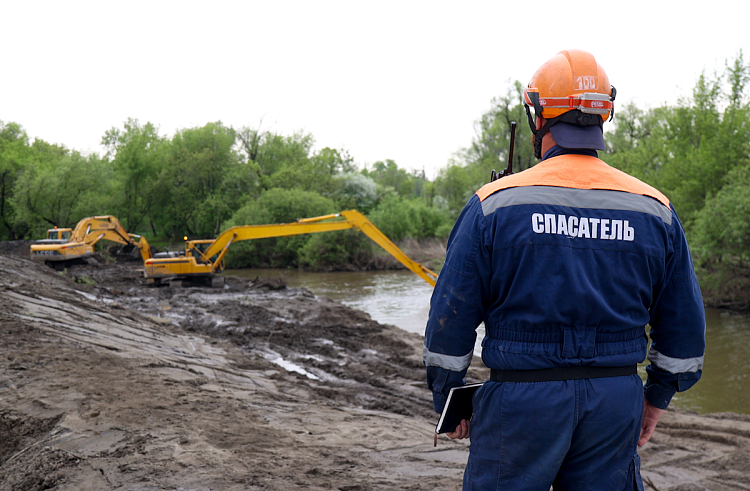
(727, 288)
(255, 386)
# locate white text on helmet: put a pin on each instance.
(586, 82)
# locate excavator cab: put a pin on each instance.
(59, 234)
(196, 248)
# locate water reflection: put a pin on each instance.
(725, 385)
(402, 298)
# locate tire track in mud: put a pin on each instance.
(691, 451)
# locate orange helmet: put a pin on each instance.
(571, 87)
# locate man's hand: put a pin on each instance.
(461, 431)
(651, 415)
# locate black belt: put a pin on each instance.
(560, 373)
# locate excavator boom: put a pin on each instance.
(250, 232)
(195, 263)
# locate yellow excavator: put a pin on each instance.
(64, 246)
(203, 258)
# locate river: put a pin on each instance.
(401, 298)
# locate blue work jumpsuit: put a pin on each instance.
(565, 263)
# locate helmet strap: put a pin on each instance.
(538, 133)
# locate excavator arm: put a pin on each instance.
(143, 246)
(90, 228)
(86, 234)
(366, 226)
(109, 230)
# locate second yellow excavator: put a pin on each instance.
(64, 246)
(203, 258)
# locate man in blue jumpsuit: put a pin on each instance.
(565, 263)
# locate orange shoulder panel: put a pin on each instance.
(574, 171)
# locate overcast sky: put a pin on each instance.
(402, 80)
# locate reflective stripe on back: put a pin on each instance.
(576, 198)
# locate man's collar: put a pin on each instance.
(558, 150)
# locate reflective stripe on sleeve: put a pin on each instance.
(675, 365)
(453, 363)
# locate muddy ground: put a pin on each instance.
(118, 385)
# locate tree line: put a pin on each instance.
(203, 180)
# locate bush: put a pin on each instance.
(401, 219)
(337, 251)
(355, 191)
(443, 231)
(722, 227)
(275, 206)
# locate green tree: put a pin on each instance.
(388, 175)
(333, 162)
(138, 153)
(201, 167)
(635, 142)
(288, 162)
(14, 154)
(249, 140)
(59, 187)
(722, 227)
(276, 152)
(721, 242)
(354, 191)
(455, 185)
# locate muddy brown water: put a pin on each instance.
(402, 299)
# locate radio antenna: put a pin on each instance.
(508, 170)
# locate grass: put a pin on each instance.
(84, 280)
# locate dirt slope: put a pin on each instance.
(254, 386)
